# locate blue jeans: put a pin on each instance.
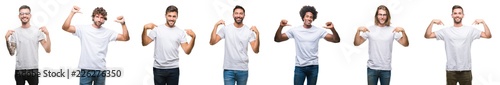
(230, 76)
(166, 76)
(375, 75)
(309, 72)
(97, 77)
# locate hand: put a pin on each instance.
(254, 29)
(363, 29)
(7, 35)
(284, 23)
(329, 25)
(120, 20)
(44, 30)
(437, 21)
(220, 22)
(190, 33)
(478, 21)
(399, 29)
(150, 26)
(76, 9)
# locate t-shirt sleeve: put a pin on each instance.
(113, 35)
(397, 35)
(476, 34)
(289, 33)
(440, 34)
(323, 34)
(183, 37)
(13, 38)
(364, 35)
(41, 36)
(78, 31)
(152, 34)
(222, 32)
(252, 36)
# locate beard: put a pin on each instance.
(25, 20)
(99, 24)
(238, 22)
(457, 21)
(171, 23)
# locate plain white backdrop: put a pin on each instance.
(422, 63)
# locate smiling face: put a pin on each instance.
(25, 15)
(171, 18)
(238, 16)
(98, 20)
(381, 17)
(457, 15)
(308, 18)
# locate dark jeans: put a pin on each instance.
(462, 77)
(95, 77)
(374, 75)
(309, 72)
(166, 76)
(30, 75)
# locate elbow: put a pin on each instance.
(212, 43)
(47, 51)
(187, 53)
(277, 40)
(256, 51)
(336, 41)
(356, 44)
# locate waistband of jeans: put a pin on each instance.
(460, 71)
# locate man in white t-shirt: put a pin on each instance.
(237, 36)
(306, 38)
(25, 41)
(168, 38)
(94, 40)
(381, 37)
(458, 40)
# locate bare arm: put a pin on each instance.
(124, 36)
(428, 33)
(187, 47)
(214, 37)
(279, 37)
(145, 39)
(404, 39)
(46, 42)
(67, 24)
(11, 47)
(486, 33)
(256, 43)
(358, 40)
(332, 37)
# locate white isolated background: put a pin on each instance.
(422, 63)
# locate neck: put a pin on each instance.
(380, 25)
(166, 24)
(307, 26)
(238, 25)
(95, 26)
(457, 25)
(27, 25)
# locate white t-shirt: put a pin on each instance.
(26, 41)
(457, 41)
(167, 41)
(236, 46)
(94, 46)
(380, 46)
(306, 44)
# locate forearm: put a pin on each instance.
(191, 45)
(336, 37)
(67, 23)
(404, 39)
(10, 48)
(213, 35)
(257, 43)
(357, 39)
(144, 37)
(487, 30)
(277, 36)
(125, 32)
(428, 32)
(47, 45)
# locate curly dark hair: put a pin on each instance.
(306, 9)
(101, 11)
